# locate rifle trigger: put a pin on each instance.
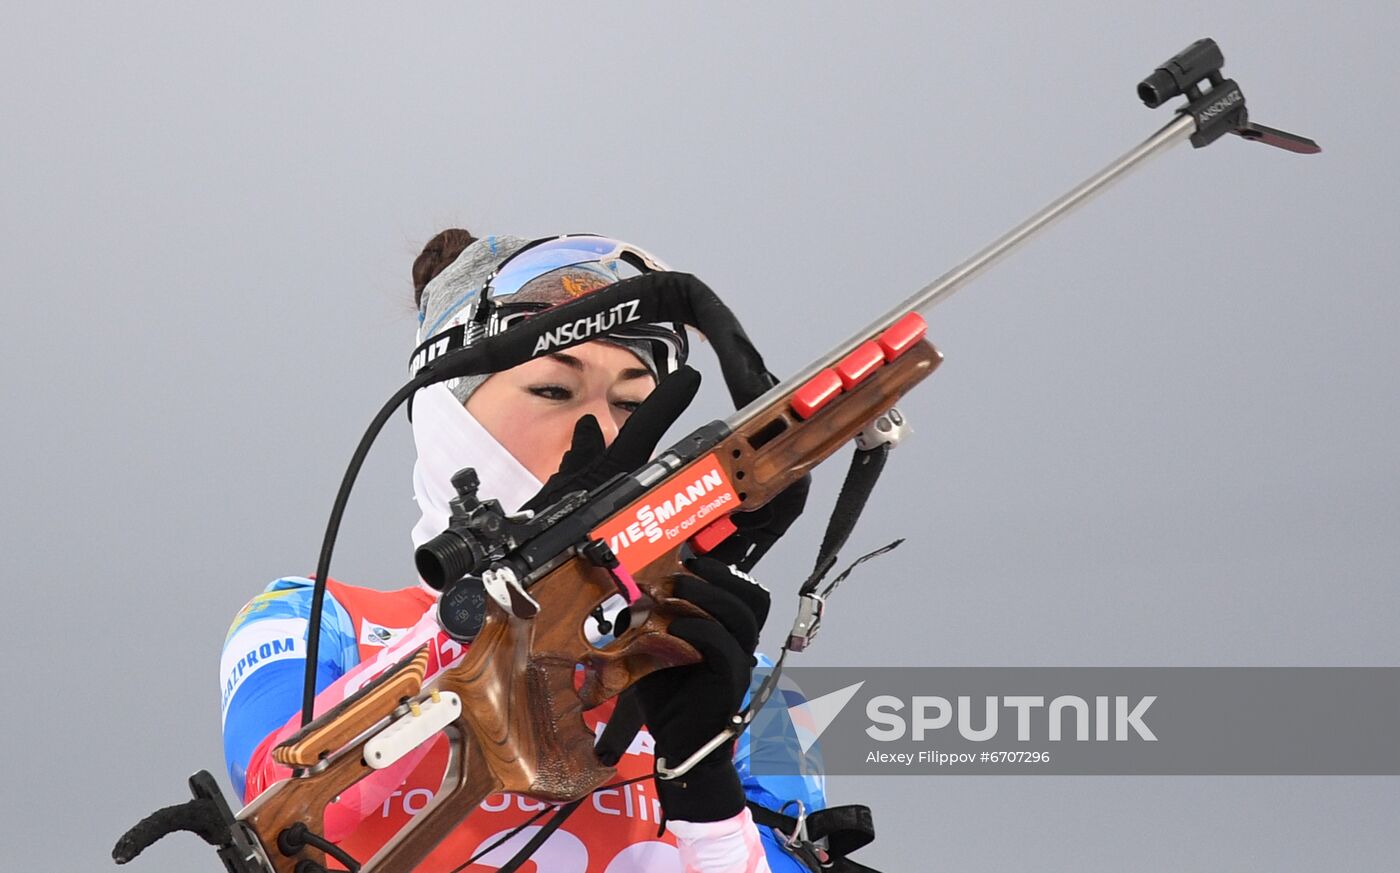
(600, 554)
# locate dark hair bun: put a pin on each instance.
(440, 251)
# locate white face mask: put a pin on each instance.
(449, 438)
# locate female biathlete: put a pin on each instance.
(514, 427)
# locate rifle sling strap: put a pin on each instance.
(864, 472)
(845, 828)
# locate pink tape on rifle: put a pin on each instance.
(626, 584)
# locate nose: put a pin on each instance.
(602, 410)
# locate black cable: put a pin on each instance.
(503, 839)
(336, 852)
(299, 836)
(323, 564)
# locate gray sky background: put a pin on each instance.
(1164, 433)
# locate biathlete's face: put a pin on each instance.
(531, 409)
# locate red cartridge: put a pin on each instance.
(859, 364)
(899, 337)
(818, 392)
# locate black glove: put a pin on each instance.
(760, 528)
(589, 463)
(684, 707)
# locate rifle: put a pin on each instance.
(521, 588)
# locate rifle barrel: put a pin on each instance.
(943, 287)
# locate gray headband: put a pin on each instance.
(447, 299)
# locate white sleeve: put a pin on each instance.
(728, 846)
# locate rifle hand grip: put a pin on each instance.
(642, 650)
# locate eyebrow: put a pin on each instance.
(574, 363)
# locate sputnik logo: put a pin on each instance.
(812, 717)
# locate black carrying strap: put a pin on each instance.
(647, 299)
(845, 829)
(865, 469)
